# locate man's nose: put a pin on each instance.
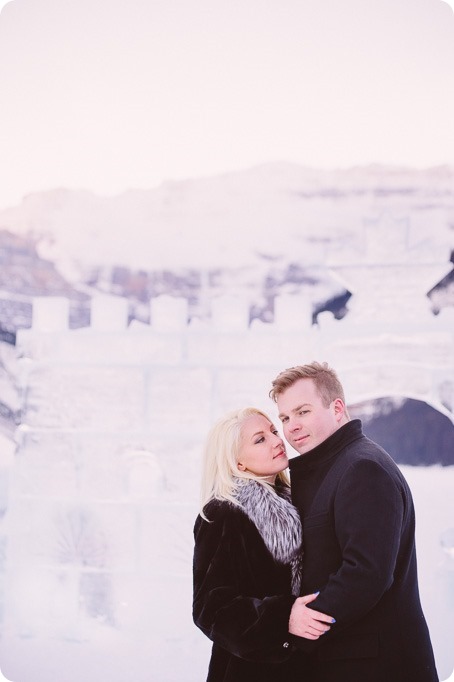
(293, 425)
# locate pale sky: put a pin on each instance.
(108, 95)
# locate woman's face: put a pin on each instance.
(262, 450)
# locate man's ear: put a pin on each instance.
(339, 408)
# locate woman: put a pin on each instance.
(247, 553)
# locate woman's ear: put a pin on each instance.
(241, 467)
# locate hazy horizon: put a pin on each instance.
(107, 96)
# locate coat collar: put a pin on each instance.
(330, 448)
(277, 521)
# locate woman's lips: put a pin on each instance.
(281, 453)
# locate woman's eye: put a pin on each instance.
(260, 440)
(276, 432)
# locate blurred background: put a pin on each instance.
(195, 196)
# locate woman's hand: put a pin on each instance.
(306, 622)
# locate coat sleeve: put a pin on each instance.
(246, 626)
(369, 509)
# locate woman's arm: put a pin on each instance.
(248, 627)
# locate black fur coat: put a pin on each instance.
(245, 562)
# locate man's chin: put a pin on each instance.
(304, 448)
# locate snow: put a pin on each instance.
(96, 542)
(152, 636)
(103, 493)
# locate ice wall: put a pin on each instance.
(96, 572)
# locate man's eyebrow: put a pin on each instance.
(295, 409)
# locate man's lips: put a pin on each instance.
(300, 439)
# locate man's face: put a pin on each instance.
(306, 421)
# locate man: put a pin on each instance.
(359, 545)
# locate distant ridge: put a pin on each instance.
(279, 210)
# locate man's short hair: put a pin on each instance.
(324, 377)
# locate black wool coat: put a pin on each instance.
(359, 551)
(242, 599)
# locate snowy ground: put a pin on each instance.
(164, 646)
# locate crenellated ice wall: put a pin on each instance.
(96, 569)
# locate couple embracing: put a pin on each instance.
(316, 584)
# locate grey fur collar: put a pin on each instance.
(277, 521)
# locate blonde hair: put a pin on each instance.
(324, 377)
(220, 472)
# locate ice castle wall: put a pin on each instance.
(103, 492)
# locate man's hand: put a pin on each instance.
(306, 622)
